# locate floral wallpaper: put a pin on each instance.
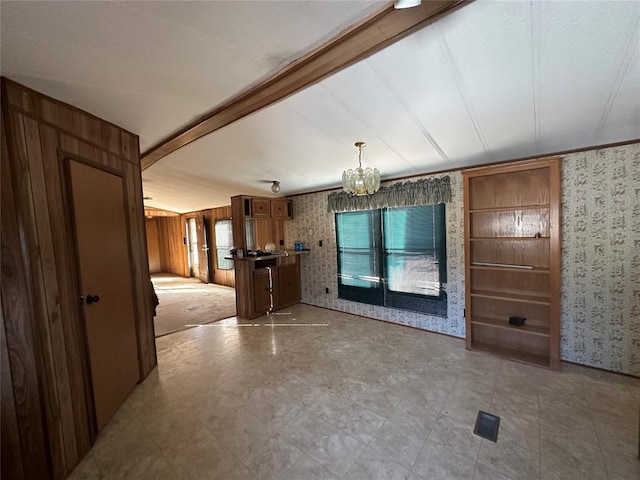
(600, 318)
(600, 306)
(319, 268)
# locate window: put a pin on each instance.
(359, 256)
(394, 257)
(224, 244)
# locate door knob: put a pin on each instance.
(92, 299)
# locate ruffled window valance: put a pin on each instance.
(426, 191)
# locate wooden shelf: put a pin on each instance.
(508, 209)
(497, 323)
(510, 269)
(512, 354)
(477, 239)
(512, 297)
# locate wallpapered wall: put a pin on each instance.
(319, 269)
(600, 319)
(600, 308)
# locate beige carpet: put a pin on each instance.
(186, 302)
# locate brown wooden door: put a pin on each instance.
(104, 262)
(203, 252)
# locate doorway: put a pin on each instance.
(192, 242)
(185, 299)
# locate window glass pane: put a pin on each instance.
(405, 247)
(224, 243)
(411, 250)
(358, 239)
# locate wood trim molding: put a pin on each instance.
(355, 43)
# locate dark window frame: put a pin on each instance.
(381, 294)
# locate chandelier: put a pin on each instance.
(361, 181)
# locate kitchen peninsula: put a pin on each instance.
(265, 281)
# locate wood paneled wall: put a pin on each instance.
(153, 245)
(170, 232)
(173, 250)
(158, 212)
(46, 393)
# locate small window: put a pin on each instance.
(224, 244)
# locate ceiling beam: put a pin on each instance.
(353, 44)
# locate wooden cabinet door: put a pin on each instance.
(261, 286)
(279, 208)
(104, 262)
(260, 207)
(288, 284)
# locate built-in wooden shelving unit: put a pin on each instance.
(512, 260)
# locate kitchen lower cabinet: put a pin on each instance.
(288, 285)
(255, 292)
(261, 288)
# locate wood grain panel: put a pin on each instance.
(153, 246)
(11, 460)
(513, 189)
(487, 307)
(44, 332)
(516, 223)
(278, 233)
(263, 233)
(555, 255)
(224, 277)
(157, 212)
(143, 298)
(19, 324)
(530, 252)
(511, 282)
(357, 42)
(25, 197)
(63, 246)
(53, 331)
(237, 223)
(173, 251)
(70, 144)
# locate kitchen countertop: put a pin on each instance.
(282, 253)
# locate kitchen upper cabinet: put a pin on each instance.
(281, 208)
(260, 207)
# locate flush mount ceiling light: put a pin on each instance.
(275, 186)
(398, 4)
(361, 181)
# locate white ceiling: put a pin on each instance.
(154, 66)
(491, 81)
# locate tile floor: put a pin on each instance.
(341, 397)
